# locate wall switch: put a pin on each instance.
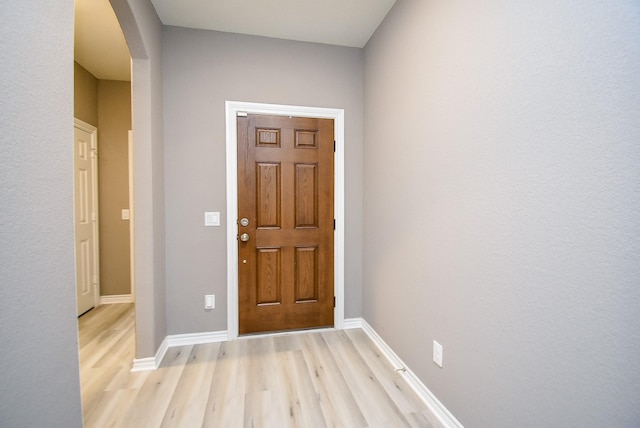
(437, 353)
(125, 214)
(211, 218)
(209, 301)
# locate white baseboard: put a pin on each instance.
(152, 363)
(351, 323)
(144, 364)
(196, 338)
(437, 408)
(116, 298)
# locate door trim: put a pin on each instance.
(232, 108)
(132, 247)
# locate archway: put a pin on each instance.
(143, 32)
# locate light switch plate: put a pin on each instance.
(437, 353)
(212, 218)
(125, 214)
(209, 301)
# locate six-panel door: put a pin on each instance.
(285, 191)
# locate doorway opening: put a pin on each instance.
(102, 99)
(103, 103)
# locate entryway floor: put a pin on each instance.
(334, 378)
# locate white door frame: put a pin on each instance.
(132, 248)
(90, 129)
(232, 109)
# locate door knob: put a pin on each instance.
(244, 237)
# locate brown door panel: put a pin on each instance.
(285, 190)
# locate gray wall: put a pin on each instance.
(143, 31)
(502, 206)
(203, 69)
(39, 381)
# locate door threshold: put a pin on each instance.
(286, 332)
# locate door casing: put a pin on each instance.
(232, 109)
(132, 247)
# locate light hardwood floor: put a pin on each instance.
(305, 380)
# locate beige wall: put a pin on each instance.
(85, 95)
(114, 122)
(106, 104)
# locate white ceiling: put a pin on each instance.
(100, 46)
(334, 22)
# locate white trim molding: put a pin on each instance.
(145, 364)
(351, 323)
(152, 363)
(116, 298)
(438, 409)
(196, 338)
(132, 247)
(232, 109)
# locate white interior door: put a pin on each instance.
(85, 214)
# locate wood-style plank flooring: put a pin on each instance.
(305, 380)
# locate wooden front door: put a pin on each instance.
(286, 223)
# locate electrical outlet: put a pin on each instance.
(209, 301)
(437, 353)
